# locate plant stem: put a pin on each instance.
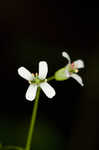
(50, 78)
(32, 124)
(13, 147)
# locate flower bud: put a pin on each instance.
(60, 75)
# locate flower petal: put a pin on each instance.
(31, 92)
(24, 73)
(77, 78)
(64, 54)
(79, 64)
(43, 69)
(48, 90)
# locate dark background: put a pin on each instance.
(31, 31)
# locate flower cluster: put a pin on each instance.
(39, 79)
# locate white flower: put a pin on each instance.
(37, 80)
(72, 68)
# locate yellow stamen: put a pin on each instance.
(76, 70)
(36, 74)
(33, 74)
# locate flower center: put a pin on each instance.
(73, 68)
(36, 79)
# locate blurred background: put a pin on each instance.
(31, 31)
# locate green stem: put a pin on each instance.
(32, 124)
(13, 147)
(50, 78)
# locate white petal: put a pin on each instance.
(43, 69)
(31, 92)
(48, 90)
(64, 54)
(24, 73)
(77, 78)
(79, 64)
